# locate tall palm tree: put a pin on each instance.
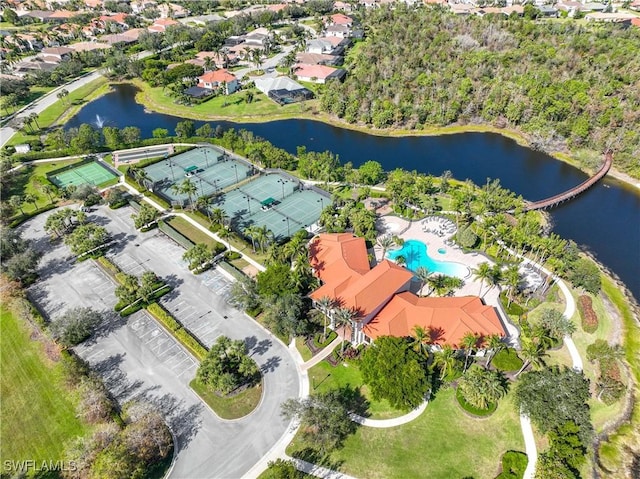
(34, 118)
(494, 345)
(422, 273)
(16, 201)
(512, 280)
(483, 273)
(342, 318)
(251, 232)
(532, 353)
(204, 203)
(446, 360)
(324, 305)
(49, 191)
(468, 342)
(438, 284)
(421, 339)
(189, 188)
(385, 242)
(264, 237)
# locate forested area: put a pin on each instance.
(564, 84)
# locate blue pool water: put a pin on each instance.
(415, 255)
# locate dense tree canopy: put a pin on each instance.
(394, 371)
(553, 396)
(564, 83)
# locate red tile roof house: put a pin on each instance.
(161, 24)
(340, 19)
(318, 73)
(218, 79)
(381, 299)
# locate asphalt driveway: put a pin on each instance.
(138, 358)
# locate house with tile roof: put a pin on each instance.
(318, 73)
(381, 300)
(217, 79)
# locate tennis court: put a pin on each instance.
(273, 201)
(92, 173)
(208, 168)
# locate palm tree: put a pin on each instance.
(468, 342)
(482, 272)
(438, 284)
(421, 339)
(16, 201)
(34, 118)
(62, 95)
(532, 353)
(48, 190)
(204, 203)
(494, 345)
(481, 388)
(446, 360)
(401, 260)
(342, 318)
(189, 188)
(30, 198)
(385, 242)
(324, 305)
(512, 281)
(251, 233)
(422, 273)
(264, 237)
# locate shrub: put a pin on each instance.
(587, 314)
(108, 265)
(507, 360)
(191, 343)
(472, 409)
(514, 463)
(164, 317)
(467, 238)
(232, 255)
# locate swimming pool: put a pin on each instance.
(416, 255)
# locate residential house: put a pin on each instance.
(217, 79)
(340, 19)
(381, 300)
(318, 59)
(339, 31)
(259, 37)
(278, 7)
(318, 73)
(635, 5)
(342, 6)
(24, 41)
(327, 45)
(56, 53)
(94, 4)
(283, 90)
(161, 24)
(172, 10)
(61, 16)
(635, 22)
(138, 6)
(220, 60)
(107, 22)
(570, 6)
(40, 15)
(89, 46)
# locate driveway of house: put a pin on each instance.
(138, 359)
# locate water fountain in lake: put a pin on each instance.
(99, 121)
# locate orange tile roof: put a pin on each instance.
(340, 19)
(449, 319)
(217, 76)
(314, 71)
(341, 262)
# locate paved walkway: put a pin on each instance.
(396, 421)
(159, 207)
(569, 311)
(321, 355)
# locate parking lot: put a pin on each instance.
(138, 359)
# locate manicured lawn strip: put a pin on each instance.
(194, 234)
(627, 434)
(304, 351)
(38, 414)
(236, 106)
(229, 408)
(442, 443)
(323, 377)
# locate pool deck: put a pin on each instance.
(393, 225)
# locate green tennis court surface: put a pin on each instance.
(89, 173)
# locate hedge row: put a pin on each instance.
(109, 266)
(587, 314)
(176, 329)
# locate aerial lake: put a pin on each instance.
(604, 221)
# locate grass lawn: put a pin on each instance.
(442, 443)
(304, 351)
(236, 107)
(323, 377)
(38, 415)
(191, 232)
(62, 110)
(29, 180)
(229, 408)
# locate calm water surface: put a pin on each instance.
(605, 220)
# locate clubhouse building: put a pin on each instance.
(381, 300)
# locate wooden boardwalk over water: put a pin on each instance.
(575, 191)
